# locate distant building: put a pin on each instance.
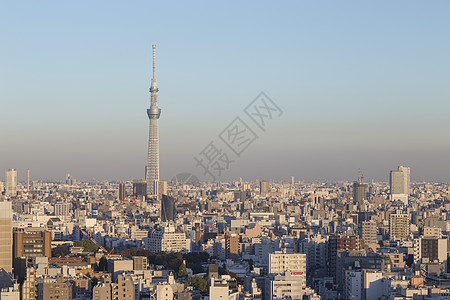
(139, 188)
(161, 189)
(122, 191)
(6, 238)
(359, 192)
(400, 184)
(398, 226)
(11, 183)
(264, 188)
(62, 209)
(369, 232)
(168, 210)
(167, 240)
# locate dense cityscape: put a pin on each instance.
(224, 240)
(354, 85)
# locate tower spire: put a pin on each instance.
(152, 169)
(154, 59)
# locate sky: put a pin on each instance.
(361, 85)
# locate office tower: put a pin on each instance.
(11, 183)
(398, 226)
(139, 188)
(161, 189)
(292, 180)
(121, 191)
(368, 232)
(152, 171)
(6, 235)
(28, 180)
(168, 211)
(359, 192)
(32, 242)
(400, 184)
(264, 188)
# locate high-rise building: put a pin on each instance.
(398, 226)
(369, 232)
(152, 170)
(11, 183)
(359, 192)
(121, 191)
(400, 184)
(6, 240)
(161, 189)
(168, 210)
(139, 188)
(264, 188)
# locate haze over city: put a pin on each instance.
(361, 86)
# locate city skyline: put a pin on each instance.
(362, 86)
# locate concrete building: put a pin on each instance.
(359, 192)
(29, 290)
(140, 263)
(32, 242)
(430, 249)
(102, 291)
(161, 189)
(398, 226)
(166, 239)
(62, 209)
(165, 292)
(55, 289)
(368, 232)
(168, 210)
(264, 188)
(123, 289)
(280, 263)
(400, 184)
(11, 183)
(6, 238)
(122, 191)
(285, 286)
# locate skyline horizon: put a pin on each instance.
(355, 92)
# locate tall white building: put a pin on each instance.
(284, 286)
(11, 183)
(280, 263)
(167, 240)
(400, 184)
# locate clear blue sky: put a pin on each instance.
(362, 85)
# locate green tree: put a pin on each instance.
(60, 251)
(182, 270)
(88, 245)
(199, 283)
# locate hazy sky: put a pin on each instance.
(362, 85)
